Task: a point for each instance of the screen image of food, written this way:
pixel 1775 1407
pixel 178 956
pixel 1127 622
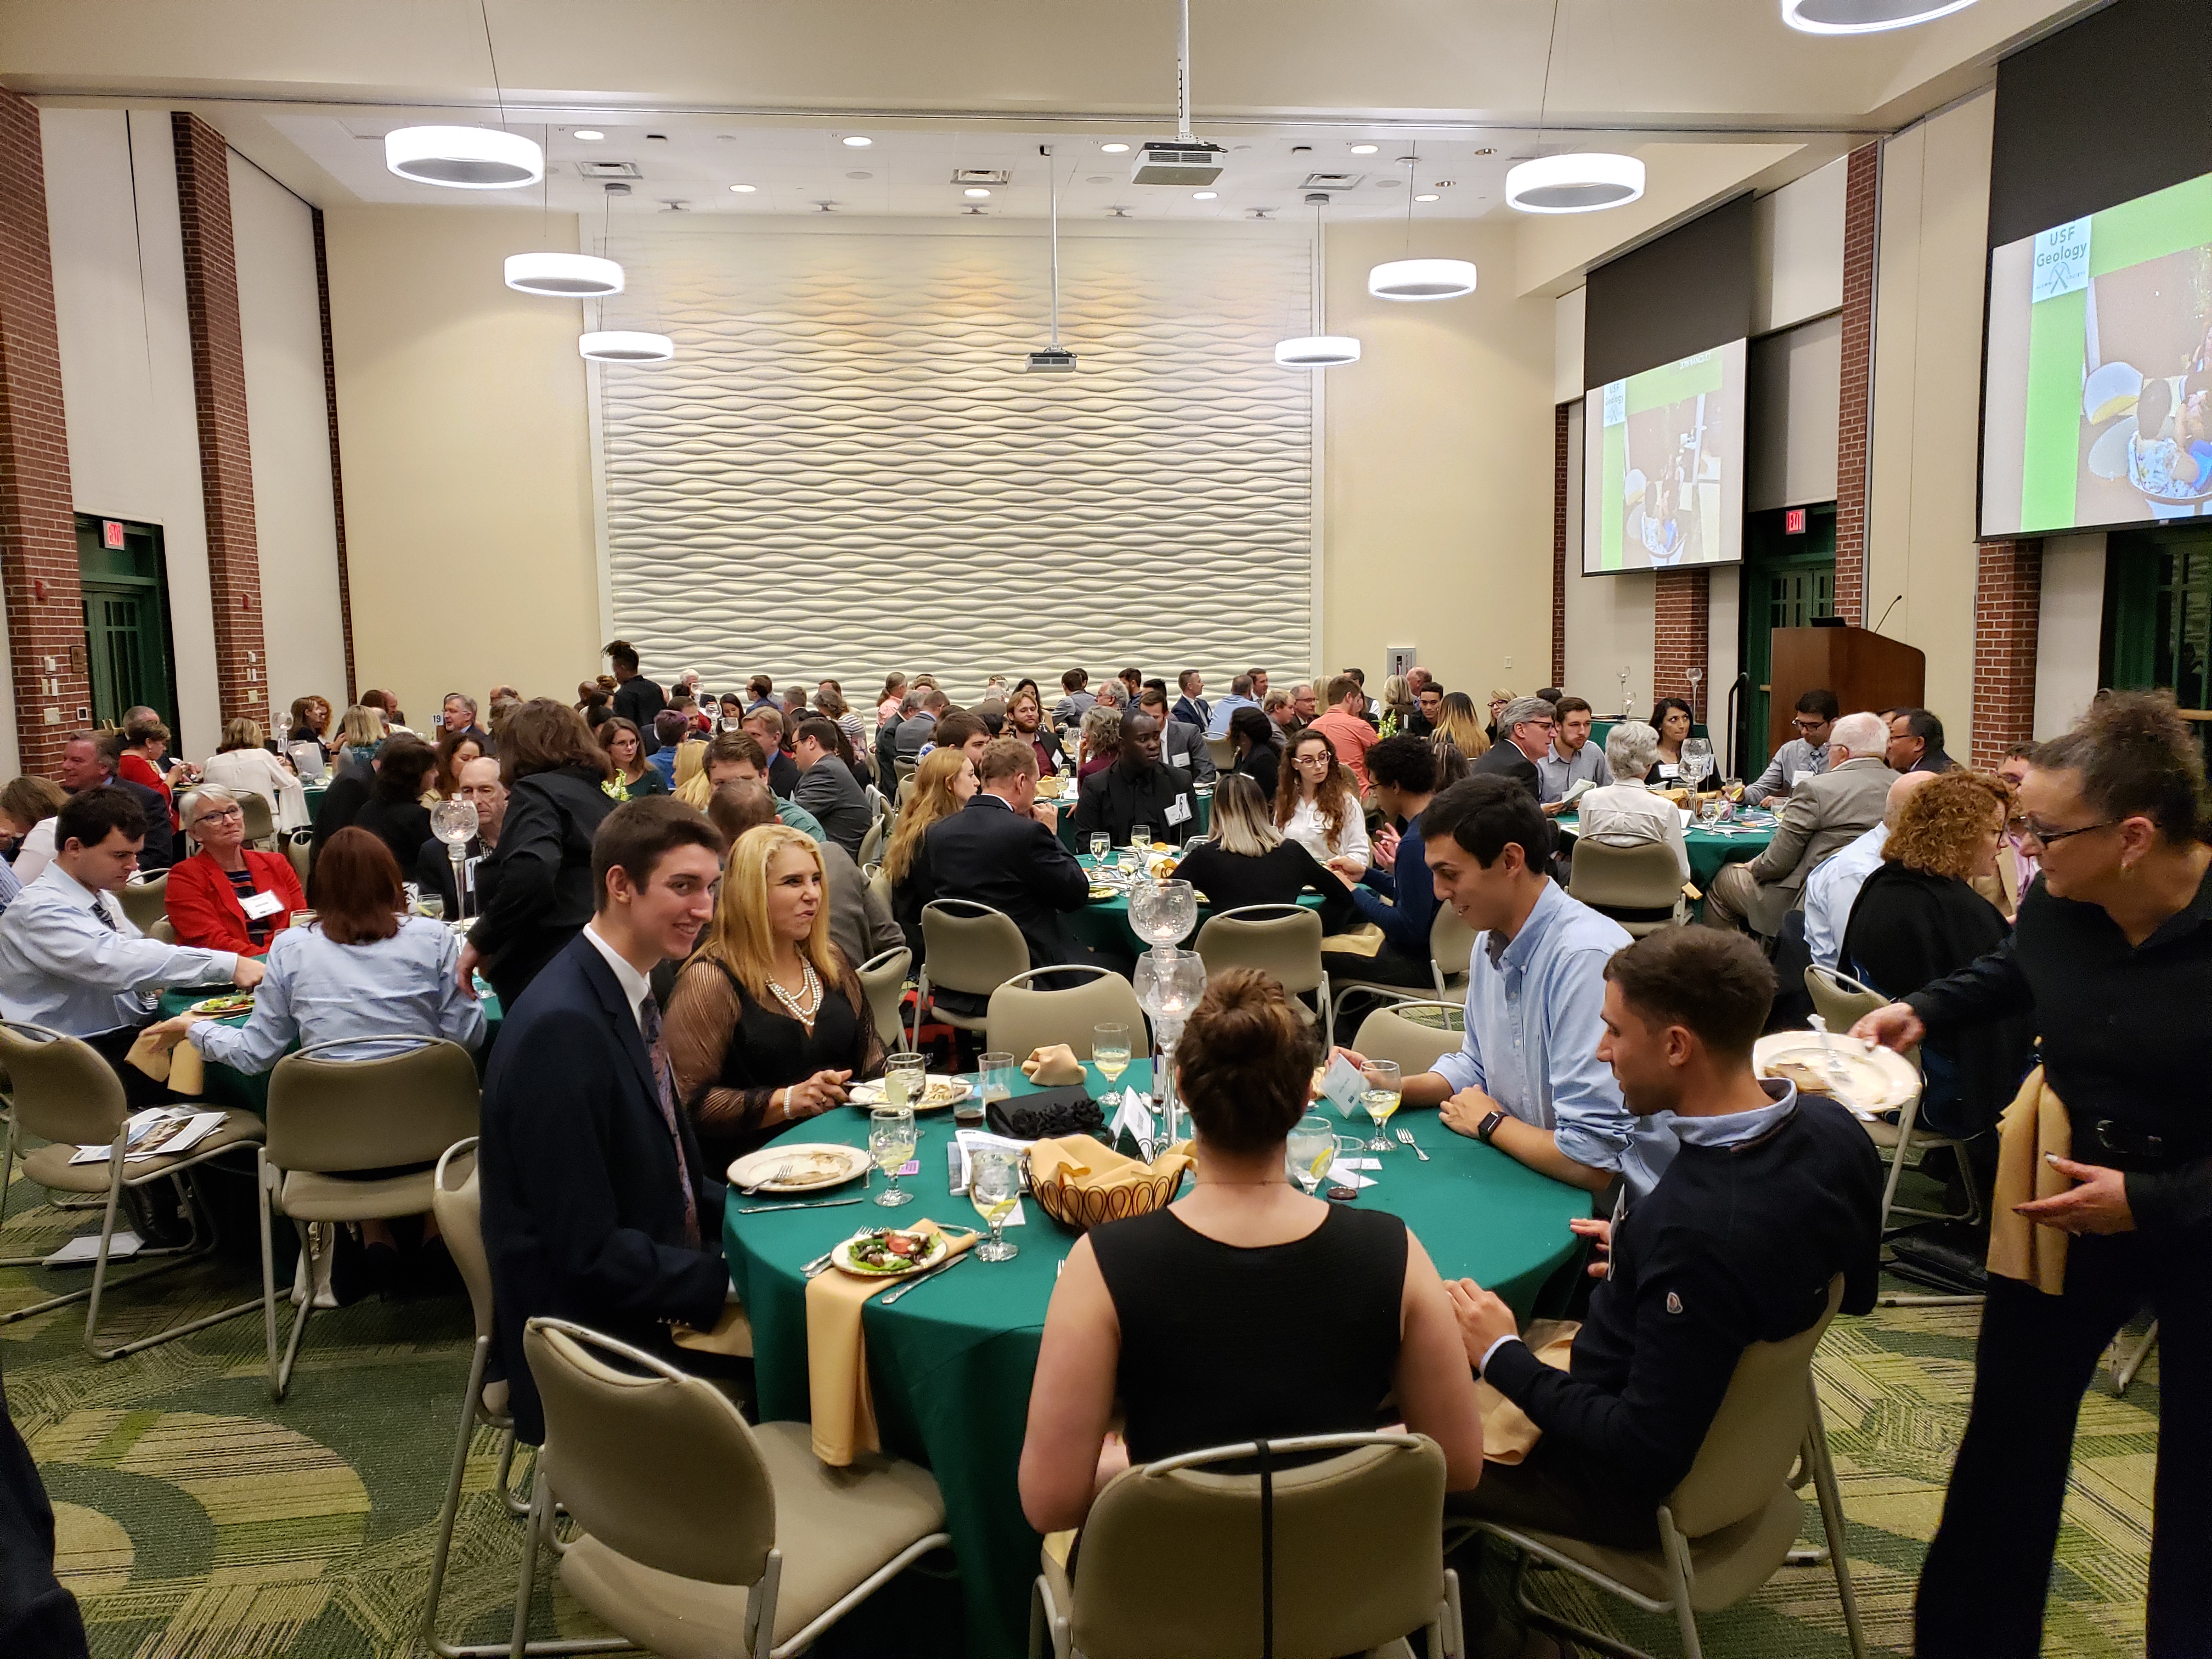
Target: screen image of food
pixel 1663 482
pixel 2097 408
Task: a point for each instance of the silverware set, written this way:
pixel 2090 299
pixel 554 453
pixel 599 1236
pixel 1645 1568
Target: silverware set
pixel 1406 1138
pixel 811 1204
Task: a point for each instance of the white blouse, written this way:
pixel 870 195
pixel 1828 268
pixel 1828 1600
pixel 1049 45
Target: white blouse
pixel 261 773
pixel 1309 828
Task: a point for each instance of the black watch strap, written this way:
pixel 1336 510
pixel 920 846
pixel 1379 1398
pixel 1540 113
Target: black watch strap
pixel 1488 1126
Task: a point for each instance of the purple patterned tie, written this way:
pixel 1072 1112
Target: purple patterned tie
pixel 648 1020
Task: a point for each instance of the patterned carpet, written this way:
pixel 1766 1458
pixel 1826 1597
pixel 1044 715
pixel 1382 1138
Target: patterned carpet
pixel 199 1520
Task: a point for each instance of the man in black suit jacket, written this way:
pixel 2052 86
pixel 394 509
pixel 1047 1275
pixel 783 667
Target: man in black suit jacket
pixel 1001 849
pixel 1525 729
pixel 596 1205
pixel 1137 789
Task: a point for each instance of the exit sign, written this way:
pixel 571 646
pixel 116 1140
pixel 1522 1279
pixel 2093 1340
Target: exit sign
pixel 111 533
pixel 1792 521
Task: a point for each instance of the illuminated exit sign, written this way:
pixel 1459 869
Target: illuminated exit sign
pixel 1792 521
pixel 111 533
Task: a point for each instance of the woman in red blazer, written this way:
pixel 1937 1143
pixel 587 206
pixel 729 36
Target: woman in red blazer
pixel 228 896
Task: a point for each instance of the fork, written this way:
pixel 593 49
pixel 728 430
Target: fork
pixel 820 1265
pixel 1406 1138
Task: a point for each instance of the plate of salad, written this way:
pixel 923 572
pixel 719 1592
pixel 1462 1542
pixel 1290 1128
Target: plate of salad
pixel 889 1253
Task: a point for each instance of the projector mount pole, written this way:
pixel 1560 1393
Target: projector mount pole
pixel 1052 174
pixel 1183 133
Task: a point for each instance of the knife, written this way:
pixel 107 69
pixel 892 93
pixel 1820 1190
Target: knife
pixel 920 1279
pixel 813 1204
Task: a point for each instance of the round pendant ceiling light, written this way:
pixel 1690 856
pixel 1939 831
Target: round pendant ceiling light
pixel 1864 17
pixel 1422 279
pixel 464 158
pixel 1583 182
pixel 619 345
pixel 563 276
pixel 1317 351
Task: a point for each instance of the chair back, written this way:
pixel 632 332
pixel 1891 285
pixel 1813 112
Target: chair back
pixel 260 817
pixel 1388 1033
pixel 882 978
pixel 1643 878
pixel 1224 752
pixel 145 901
pixel 970 947
pixel 1451 943
pixel 457 1206
pixel 301 849
pixel 871 844
pixel 64 1091
pixel 655 1464
pixel 1840 999
pixel 163 932
pixel 1282 939
pixel 1756 1436
pixel 1022 1018
pixel 329 1114
pixel 1358 1553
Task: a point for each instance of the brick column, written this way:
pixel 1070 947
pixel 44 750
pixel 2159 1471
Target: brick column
pixel 1560 484
pixel 2008 611
pixel 37 526
pixel 1854 422
pixel 1682 616
pixel 219 395
pixel 337 478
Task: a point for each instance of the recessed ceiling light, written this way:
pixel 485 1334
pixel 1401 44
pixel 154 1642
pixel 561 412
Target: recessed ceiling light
pixel 1098 178
pixel 1204 195
pixel 860 175
pixel 975 194
pixel 1115 149
pixel 1428 199
pixel 1365 149
pixel 858 140
pixel 745 190
pixel 589 135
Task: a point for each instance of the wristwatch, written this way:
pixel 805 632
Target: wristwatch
pixel 1488 1126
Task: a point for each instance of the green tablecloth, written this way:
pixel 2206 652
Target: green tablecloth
pixel 1103 924
pixel 315 792
pixel 950 1366
pixel 1710 848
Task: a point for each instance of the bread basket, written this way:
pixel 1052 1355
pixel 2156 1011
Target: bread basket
pixel 1086 1198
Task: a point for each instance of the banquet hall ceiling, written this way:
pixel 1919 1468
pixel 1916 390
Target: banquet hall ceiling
pixel 700 96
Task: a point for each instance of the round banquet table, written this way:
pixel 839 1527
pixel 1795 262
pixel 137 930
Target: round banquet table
pixel 1103 923
pixel 950 1365
pixel 1710 847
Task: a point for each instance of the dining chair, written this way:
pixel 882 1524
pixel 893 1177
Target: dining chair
pixel 1390 1033
pixel 1451 952
pixel 883 979
pixel 145 901
pixel 65 1094
pixel 458 1204
pixel 1640 887
pixel 1730 1524
pixel 260 818
pixel 966 947
pixel 1282 939
pixel 697 1534
pixel 1343 1554
pixel 330 1118
pixel 1023 1019
pixel 871 843
pixel 1223 752
pixel 300 849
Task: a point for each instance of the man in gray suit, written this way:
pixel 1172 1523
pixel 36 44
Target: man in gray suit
pixel 1825 813
pixel 1183 745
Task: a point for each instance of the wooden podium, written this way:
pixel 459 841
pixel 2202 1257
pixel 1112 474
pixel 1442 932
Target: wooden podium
pixel 1865 669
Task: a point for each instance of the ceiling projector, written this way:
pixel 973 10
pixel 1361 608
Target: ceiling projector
pixel 1052 359
pixel 1185 161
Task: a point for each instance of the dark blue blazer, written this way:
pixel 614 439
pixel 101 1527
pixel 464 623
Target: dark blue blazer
pixel 583 1216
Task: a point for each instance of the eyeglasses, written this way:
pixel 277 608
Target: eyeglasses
pixel 2049 838
pixel 1803 725
pixel 1313 760
pixel 216 815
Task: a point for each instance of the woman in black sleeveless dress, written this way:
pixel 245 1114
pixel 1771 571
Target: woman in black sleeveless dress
pixel 1246 1309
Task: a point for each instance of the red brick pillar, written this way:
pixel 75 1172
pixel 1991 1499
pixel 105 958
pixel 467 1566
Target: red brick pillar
pixel 219 389
pixel 1560 484
pixel 1861 198
pixel 38 524
pixel 1682 617
pixel 2007 612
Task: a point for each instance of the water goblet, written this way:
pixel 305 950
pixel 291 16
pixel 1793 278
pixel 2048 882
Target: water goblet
pixel 1109 1052
pixel 891 1140
pixel 1140 836
pixel 994 1188
pixel 1102 844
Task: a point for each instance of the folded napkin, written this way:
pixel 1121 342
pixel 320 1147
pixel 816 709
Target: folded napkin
pixel 1052 1066
pixel 732 1335
pixel 179 1067
pixel 1088 1164
pixel 844 1409
pixel 1508 1433
pixel 1364 940
pixel 2034 1124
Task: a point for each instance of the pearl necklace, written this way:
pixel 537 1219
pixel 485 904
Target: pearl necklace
pixel 803 1012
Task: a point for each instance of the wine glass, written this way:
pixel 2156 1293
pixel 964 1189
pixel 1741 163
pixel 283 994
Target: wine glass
pixel 1140 835
pixel 1697 766
pixel 994 1188
pixel 454 823
pixel 905 1076
pixel 1169 983
pixel 1100 845
pixel 1380 1097
pixel 1109 1052
pixel 1312 1148
pixel 891 1142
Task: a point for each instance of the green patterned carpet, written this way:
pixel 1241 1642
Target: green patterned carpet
pixel 199 1520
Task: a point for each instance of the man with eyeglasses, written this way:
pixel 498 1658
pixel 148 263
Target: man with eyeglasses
pixel 1526 726
pixel 1825 814
pixel 1805 755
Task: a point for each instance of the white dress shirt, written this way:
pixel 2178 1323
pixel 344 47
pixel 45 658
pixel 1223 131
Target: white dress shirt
pixel 1832 887
pixel 61 968
pixel 37 851
pixel 634 985
pixel 1310 830
pixel 259 772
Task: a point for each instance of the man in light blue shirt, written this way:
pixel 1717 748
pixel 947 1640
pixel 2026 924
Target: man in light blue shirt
pixel 1832 886
pixel 1572 758
pixel 1240 696
pixel 1805 755
pixel 1527 1079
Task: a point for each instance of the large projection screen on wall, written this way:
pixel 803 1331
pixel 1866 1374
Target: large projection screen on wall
pixel 1662 466
pixel 2097 407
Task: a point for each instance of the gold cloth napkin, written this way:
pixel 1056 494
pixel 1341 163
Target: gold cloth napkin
pixel 1053 1066
pixel 733 1334
pixel 1364 940
pixel 2034 1124
pixel 837 1355
pixel 1508 1433
pixel 179 1067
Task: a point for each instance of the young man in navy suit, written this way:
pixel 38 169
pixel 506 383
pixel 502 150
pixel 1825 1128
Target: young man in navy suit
pixel 597 1205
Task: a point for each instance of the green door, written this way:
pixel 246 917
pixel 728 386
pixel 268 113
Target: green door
pixel 2157 617
pixel 126 623
pixel 1788 581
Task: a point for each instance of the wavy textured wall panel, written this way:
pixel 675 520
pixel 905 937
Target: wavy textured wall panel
pixel 845 470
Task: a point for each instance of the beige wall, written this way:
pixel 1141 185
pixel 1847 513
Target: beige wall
pixel 1438 482
pixel 466 454
pixel 1927 399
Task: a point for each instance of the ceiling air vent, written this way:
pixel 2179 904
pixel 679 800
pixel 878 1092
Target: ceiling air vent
pixel 982 175
pixel 1182 162
pixel 1333 180
pixel 608 170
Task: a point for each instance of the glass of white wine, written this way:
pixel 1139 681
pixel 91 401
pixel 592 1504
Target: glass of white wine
pixel 905 1077
pixel 891 1142
pixel 1380 1097
pixel 1109 1052
pixel 995 1186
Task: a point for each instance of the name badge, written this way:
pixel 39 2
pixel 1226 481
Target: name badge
pixel 261 906
pixel 1182 760
pixel 1179 810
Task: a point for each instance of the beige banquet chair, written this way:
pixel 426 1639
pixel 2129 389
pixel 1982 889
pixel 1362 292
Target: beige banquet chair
pixel 1282 939
pixel 145 901
pixel 65 1094
pixel 699 1535
pixel 330 1117
pixel 1356 1563
pixel 1733 1518
pixel 1023 1019
pixel 1223 750
pixel 965 947
pixel 299 849
pixel 883 980
pixel 871 843
pixel 1640 887
pixel 1390 1033
pixel 260 818
pixel 1451 949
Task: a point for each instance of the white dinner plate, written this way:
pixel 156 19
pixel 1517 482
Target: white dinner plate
pixel 798 1167
pixel 841 1259
pixel 1872 1081
pixel 938 1093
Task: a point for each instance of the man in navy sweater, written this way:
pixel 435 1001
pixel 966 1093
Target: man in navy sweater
pixel 1770 1196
